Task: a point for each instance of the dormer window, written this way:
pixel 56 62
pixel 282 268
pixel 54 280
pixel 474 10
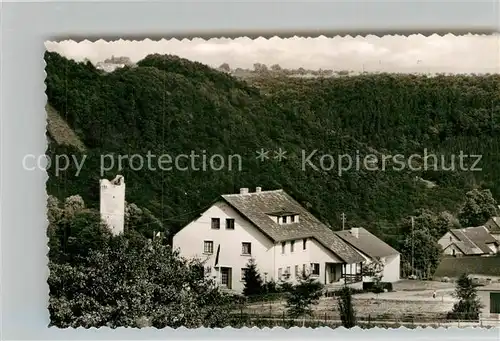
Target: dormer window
pixel 289 219
pixel 284 217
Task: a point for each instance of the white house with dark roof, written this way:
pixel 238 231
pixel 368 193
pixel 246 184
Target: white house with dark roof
pixel 374 250
pixel 275 230
pixel 471 241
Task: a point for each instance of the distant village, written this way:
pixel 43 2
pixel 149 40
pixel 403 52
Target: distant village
pixel 259 69
pixel 113 63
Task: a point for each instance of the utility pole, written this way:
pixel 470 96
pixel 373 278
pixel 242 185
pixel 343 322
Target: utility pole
pixel 412 246
pixel 343 220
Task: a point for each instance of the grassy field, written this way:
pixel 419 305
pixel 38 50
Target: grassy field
pixel 376 309
pixel 410 300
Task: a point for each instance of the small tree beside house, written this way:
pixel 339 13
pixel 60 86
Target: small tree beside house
pixel 375 270
pixel 469 306
pixel 346 308
pixel 303 296
pixel 253 284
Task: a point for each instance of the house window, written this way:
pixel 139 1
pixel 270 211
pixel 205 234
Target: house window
pixel 208 247
pixel 283 244
pixel 287 271
pixel 216 223
pixel 208 270
pixel 292 245
pixel 359 268
pixel 246 248
pixel 303 268
pixel 296 270
pixel 304 243
pixel 243 272
pixel 451 239
pixel 315 269
pixel 453 251
pixel 284 219
pixel 292 218
pixel 280 273
pixel 230 224
pixel 225 277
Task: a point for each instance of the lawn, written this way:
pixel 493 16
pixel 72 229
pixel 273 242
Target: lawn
pixel 411 299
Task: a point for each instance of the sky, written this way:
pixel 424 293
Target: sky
pixel 415 53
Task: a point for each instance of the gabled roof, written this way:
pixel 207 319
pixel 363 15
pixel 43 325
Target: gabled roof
pixel 367 243
pixel 474 239
pixel 493 225
pixel 257 206
pixel 465 249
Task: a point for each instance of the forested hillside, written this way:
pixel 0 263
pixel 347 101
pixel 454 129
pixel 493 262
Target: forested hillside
pixel 170 105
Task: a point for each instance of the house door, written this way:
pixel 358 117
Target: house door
pixel 226 277
pixel 332 273
pixel 494 302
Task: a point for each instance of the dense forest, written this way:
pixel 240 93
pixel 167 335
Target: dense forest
pixel 166 104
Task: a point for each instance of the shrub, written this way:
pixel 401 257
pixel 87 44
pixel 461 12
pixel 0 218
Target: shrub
pixel 468 306
pixel 252 280
pixel 372 287
pixel 346 309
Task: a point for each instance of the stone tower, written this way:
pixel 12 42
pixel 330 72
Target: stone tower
pixel 112 202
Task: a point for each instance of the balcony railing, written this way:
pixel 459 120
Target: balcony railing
pixel 352 278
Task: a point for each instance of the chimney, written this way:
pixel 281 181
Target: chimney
pixel 355 232
pixel 243 190
pixel 258 189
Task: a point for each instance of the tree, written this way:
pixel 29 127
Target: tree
pixel 375 270
pixel 445 222
pixel 131 284
pixel 270 287
pixel 421 250
pixel 260 68
pixel 225 67
pixel 252 280
pixel 469 306
pixel 74 231
pixel 479 206
pixel 142 220
pixel 346 309
pixel 276 67
pixel 436 224
pixel 303 295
